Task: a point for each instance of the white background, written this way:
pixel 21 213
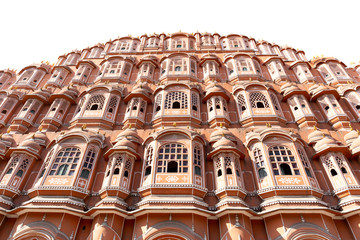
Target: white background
pixel 39 30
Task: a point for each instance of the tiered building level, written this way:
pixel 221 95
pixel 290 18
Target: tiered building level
pixel 181 137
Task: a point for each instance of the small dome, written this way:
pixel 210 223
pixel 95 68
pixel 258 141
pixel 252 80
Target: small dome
pixel 316 88
pixel 351 136
pixel 355 145
pixel 214 89
pixel 326 142
pixel 224 142
pixel 6 137
pixel 219 133
pixel 315 136
pixel 39 138
pixel 288 87
pixel 31 145
pixel 70 92
pixel 141 88
pixel 44 93
pixel 129 134
pixel 125 143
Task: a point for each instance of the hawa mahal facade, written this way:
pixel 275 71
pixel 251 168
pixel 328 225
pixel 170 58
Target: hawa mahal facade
pixel 181 137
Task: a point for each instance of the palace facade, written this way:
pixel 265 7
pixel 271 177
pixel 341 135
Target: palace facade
pixel 181 137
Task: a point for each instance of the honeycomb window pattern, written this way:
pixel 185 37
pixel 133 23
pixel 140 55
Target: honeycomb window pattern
pixel 170 153
pixel 283 162
pixel 176 100
pixel 66 162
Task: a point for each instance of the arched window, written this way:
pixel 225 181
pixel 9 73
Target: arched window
pixel 305 163
pixel 85 173
pixel 22 168
pixel 66 162
pixel 276 104
pixel 326 74
pixel 96 102
pixel 118 163
pixel 210 105
pixel 258 100
pixel 218 167
pixel 228 165
pixel 112 104
pixel 176 105
pixel 171 156
pixel 62 170
pixel 46 164
pixel 337 70
pixel 176 100
pixel 158 103
pixel 260 163
pixel 283 161
pixel 12 165
pixel 194 102
pixel 88 164
pixel 80 105
pixel 262 173
pixel 217 103
pixel 241 103
pixel 19 173
pixel 341 164
pixel 147 171
pixel 244 65
pixel 197 170
pixel 285 169
pixel 127 168
pixel 148 160
pixel 197 160
pixel 172 167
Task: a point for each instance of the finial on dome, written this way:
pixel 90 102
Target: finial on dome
pixel 351 128
pixel 130 125
pixel 315 128
pixel 83 127
pixel 9 130
pixel 268 125
pixel 40 128
pixel 174 124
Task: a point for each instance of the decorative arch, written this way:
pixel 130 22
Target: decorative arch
pixel 43 229
pixel 306 231
pixel 173 230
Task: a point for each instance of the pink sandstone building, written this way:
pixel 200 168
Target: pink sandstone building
pixel 181 137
